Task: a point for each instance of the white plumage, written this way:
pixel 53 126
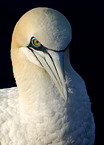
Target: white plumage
pixel 50 104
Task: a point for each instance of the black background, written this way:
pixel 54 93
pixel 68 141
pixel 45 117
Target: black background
pixel 86 47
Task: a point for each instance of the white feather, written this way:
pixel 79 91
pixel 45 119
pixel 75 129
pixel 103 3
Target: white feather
pixel 52 121
pixel 34 113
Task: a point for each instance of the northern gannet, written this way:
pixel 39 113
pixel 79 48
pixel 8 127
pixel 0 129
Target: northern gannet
pixel 50 104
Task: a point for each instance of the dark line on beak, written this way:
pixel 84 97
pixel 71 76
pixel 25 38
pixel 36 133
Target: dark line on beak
pixel 44 49
pixel 36 57
pixel 50 69
pixel 55 67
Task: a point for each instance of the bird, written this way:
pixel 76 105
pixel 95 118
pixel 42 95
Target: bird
pixel 50 103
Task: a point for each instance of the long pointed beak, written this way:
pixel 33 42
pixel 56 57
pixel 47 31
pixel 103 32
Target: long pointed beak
pixel 53 63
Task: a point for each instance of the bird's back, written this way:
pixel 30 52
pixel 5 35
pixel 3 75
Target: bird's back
pixel 81 122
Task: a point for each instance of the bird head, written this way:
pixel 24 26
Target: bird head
pixel 42 35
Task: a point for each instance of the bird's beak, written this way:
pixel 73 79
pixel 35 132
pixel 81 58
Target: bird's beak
pixel 53 63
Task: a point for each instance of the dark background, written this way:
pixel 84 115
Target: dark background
pixel 86 47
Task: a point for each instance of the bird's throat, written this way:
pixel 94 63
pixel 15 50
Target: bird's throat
pixel 34 85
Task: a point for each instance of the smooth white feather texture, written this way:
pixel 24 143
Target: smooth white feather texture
pixel 36 114
pixel 52 121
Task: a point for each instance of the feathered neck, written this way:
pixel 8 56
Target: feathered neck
pixel 34 83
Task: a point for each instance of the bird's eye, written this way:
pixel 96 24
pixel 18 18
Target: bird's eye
pixel 35 42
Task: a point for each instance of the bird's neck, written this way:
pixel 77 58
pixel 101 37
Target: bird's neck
pixel 34 87
pixel 34 84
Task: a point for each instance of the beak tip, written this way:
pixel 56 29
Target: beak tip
pixel 65 94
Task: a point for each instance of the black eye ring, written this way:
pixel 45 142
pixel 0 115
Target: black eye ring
pixel 39 47
pixel 35 42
